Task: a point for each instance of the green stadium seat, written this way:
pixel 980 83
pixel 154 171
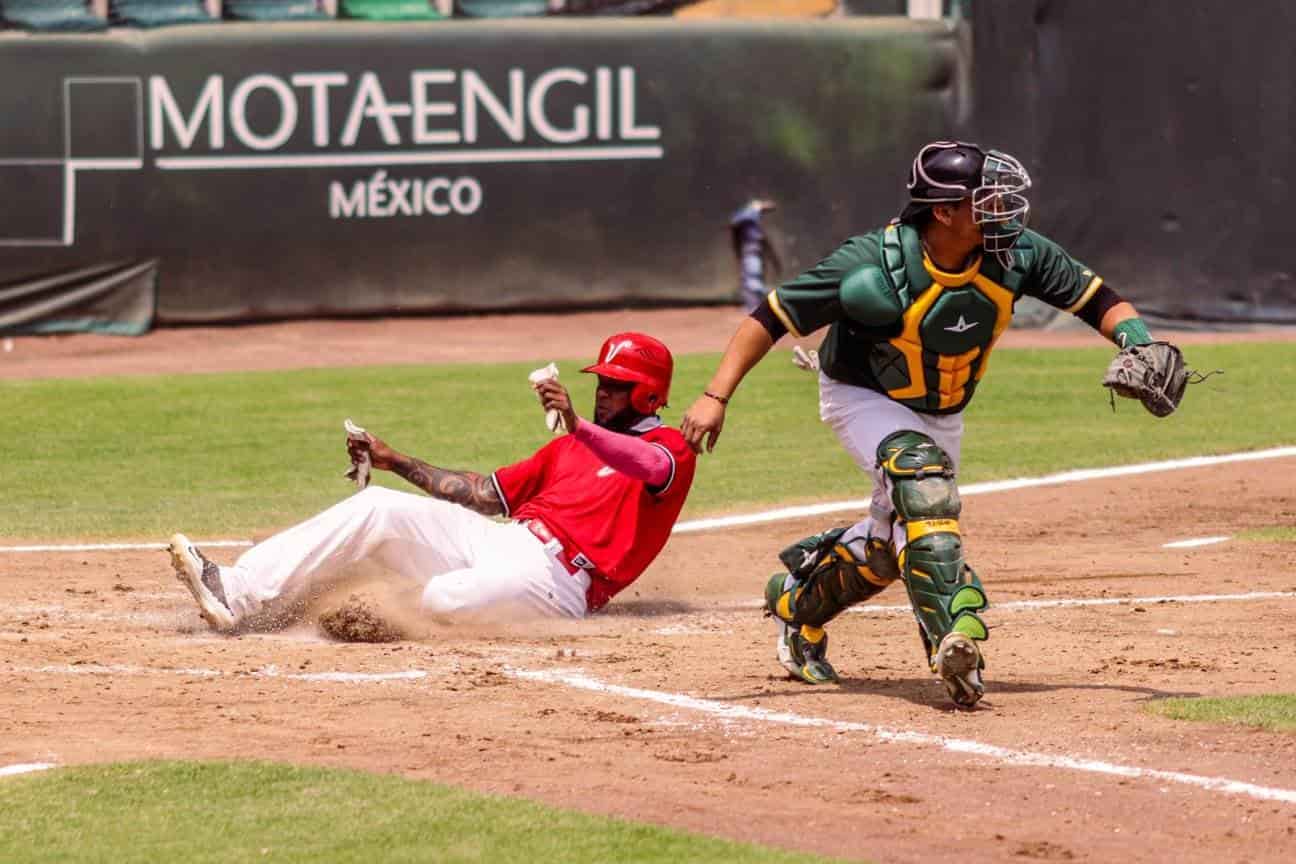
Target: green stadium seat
pixel 156 13
pixel 273 10
pixel 388 10
pixel 50 15
pixel 501 8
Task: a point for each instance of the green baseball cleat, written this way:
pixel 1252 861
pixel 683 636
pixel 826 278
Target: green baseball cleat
pixel 803 650
pixel 803 658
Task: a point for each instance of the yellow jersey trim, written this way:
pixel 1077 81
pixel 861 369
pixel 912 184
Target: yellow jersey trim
pixel 782 315
pixel 1092 289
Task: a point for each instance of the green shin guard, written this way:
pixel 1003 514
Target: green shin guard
pixel 945 593
pixel 942 606
pixel 803 651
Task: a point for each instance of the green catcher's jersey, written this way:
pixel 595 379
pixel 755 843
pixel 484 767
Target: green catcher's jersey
pixel 901 326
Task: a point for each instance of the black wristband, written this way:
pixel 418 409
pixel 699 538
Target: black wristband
pixel 723 400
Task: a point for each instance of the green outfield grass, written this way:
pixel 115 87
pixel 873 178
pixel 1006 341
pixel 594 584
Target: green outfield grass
pixel 234 454
pixel 1275 712
pixel 253 811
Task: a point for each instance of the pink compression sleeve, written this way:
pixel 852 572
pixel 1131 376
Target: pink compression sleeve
pixel 632 456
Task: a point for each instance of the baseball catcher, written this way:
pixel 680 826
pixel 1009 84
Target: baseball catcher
pixel 582 517
pixel 913 312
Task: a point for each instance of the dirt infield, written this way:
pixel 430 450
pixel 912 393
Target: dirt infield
pixel 671 708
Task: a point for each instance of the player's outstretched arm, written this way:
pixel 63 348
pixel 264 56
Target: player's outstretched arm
pixel 1114 317
pixel 1122 325
pixel 705 418
pixel 465 488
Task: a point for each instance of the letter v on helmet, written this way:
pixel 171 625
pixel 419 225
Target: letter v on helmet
pixel 614 349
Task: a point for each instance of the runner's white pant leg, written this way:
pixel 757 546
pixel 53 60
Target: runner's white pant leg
pixel 861 418
pixel 515 575
pixel 413 535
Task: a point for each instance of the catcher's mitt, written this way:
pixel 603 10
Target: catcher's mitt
pixel 1154 374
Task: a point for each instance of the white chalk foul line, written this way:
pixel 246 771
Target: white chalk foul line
pixel 121 547
pixel 10 770
pixel 1196 541
pixel 1093 601
pixel 63 613
pixel 1025 758
pixel 266 672
pixel 1013 605
pixel 786 513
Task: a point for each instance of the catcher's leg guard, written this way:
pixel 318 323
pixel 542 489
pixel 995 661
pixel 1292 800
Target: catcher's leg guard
pixel 825 575
pixel 945 593
pixel 829 575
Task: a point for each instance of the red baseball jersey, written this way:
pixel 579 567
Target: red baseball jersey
pixel 616 522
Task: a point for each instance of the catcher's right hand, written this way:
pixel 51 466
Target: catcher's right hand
pixel 1153 373
pixel 803 359
pixel 703 422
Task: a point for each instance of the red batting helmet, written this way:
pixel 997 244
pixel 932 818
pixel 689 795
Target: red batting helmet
pixel 641 359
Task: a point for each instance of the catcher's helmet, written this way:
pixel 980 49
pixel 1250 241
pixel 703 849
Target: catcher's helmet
pixel 949 171
pixel 639 358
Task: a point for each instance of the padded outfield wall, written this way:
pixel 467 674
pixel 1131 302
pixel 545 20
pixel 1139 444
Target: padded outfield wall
pixel 1162 138
pixel 265 171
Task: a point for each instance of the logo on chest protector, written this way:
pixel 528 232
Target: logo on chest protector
pixel 961 326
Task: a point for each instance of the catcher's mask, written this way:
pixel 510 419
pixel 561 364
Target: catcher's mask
pixel 949 171
pixel 641 359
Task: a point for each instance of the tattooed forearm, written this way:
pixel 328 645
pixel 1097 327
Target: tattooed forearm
pixel 466 488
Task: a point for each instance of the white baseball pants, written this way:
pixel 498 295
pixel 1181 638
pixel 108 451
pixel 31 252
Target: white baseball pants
pixel 466 563
pixel 861 418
